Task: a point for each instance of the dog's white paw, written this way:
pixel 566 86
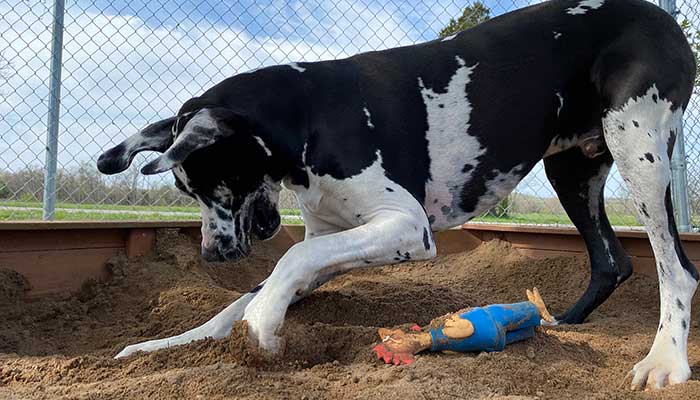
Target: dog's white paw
pixel 151 345
pixel 262 328
pixel 660 368
pixel 265 341
pixel 128 350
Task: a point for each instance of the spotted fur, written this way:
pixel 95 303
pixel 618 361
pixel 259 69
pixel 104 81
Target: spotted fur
pixel 384 147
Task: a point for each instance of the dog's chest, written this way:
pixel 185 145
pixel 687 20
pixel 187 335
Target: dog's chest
pixel 350 202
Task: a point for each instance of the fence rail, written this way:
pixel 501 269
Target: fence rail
pixel 79 77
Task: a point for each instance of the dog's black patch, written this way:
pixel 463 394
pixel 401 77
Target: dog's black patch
pixel 256 289
pixel 680 304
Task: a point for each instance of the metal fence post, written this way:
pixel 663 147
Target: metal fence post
pixel 679 179
pixel 54 111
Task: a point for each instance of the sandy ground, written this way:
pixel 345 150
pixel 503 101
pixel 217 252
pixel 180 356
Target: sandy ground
pixel 62 348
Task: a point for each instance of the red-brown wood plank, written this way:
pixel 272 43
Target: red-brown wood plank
pixel 44 240
pixel 57 271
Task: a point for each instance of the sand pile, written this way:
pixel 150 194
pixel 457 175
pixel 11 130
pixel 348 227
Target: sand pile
pixel 61 348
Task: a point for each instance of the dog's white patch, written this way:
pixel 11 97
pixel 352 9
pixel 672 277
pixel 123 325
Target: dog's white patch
pixel 561 103
pixel 182 176
pixel 369 118
pixel 606 244
pixel 557 35
pixel 450 147
pixel 303 153
pixel 585 6
pixel 345 203
pixel 595 186
pixel 213 224
pixel 138 141
pixel 262 144
pixel 452 36
pixel 498 188
pixel 637 135
pixel 202 119
pixel 296 67
pixel 251 71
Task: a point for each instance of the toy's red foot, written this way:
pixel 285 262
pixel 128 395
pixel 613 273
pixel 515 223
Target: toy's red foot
pixel 398 347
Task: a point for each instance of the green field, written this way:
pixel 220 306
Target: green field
pixel 23 215
pixel 36 204
pixel 15 215
pixel 79 212
pixel 194 210
pixel 17 210
pixel 552 219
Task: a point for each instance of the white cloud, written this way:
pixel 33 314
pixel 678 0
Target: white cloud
pixel 121 72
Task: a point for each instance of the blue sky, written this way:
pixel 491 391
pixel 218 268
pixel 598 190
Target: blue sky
pixel 130 62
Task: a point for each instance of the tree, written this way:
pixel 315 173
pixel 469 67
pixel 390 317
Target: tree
pixel 693 36
pixel 471 16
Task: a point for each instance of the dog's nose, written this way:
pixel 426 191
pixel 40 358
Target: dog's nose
pixel 212 254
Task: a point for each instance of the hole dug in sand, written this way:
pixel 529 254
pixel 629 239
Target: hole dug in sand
pixel 62 348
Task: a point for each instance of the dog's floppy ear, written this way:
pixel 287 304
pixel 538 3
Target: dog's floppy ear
pixel 157 136
pixel 202 129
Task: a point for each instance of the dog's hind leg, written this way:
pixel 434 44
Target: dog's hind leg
pixel 640 133
pixel 579 182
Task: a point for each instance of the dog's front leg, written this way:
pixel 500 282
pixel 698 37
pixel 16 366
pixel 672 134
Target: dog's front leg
pixel 388 237
pixel 218 327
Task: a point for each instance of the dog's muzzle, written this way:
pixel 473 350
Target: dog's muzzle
pixel 216 253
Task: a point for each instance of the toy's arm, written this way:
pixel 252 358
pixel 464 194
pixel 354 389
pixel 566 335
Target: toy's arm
pixel 399 347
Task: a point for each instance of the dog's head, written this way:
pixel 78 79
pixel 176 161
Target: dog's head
pixel 216 158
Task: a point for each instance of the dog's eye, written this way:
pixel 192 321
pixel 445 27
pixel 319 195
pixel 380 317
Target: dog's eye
pixel 180 122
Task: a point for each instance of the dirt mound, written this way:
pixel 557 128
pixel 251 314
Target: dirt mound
pixel 61 348
pixel 13 285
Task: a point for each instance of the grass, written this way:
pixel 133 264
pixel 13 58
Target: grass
pixel 18 215
pixel 117 207
pixel 72 212
pixel 67 215
pixel 552 219
pixel 15 215
pixel 36 204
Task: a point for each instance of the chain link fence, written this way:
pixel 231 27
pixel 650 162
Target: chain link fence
pixel 127 63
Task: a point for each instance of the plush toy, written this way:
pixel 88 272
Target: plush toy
pixel 487 328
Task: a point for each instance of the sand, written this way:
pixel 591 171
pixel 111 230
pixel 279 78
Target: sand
pixel 62 348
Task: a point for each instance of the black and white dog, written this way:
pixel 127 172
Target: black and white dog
pixel 385 147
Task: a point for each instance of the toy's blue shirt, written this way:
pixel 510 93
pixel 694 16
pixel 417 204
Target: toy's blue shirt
pixel 495 326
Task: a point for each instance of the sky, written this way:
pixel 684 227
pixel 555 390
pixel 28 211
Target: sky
pixel 128 63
